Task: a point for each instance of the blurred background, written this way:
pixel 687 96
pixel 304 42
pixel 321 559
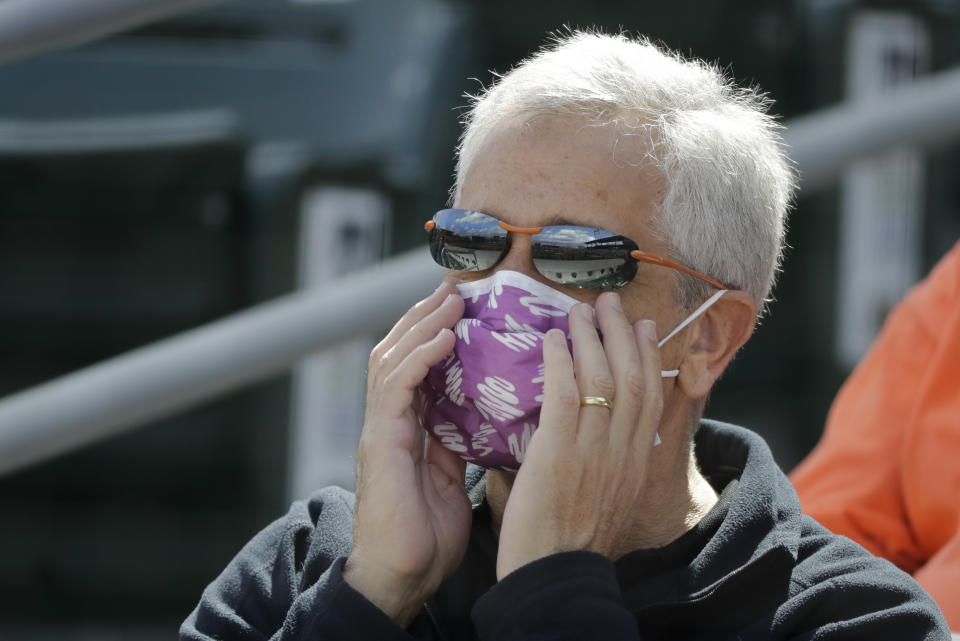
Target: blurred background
pixel 161 178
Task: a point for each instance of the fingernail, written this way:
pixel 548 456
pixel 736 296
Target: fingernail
pixel 649 329
pixel 615 301
pixel 585 311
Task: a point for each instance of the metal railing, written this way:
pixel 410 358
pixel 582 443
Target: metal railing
pixel 29 27
pixel 201 364
pixel 925 114
pixel 118 133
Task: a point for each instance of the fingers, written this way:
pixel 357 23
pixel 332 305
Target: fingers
pixel 651 403
pixel 447 461
pixel 414 316
pixel 592 372
pixel 433 317
pixel 561 397
pixel 398 386
pixel 444 316
pixel 626 366
pixel 416 313
pixel 390 419
pixel 419 340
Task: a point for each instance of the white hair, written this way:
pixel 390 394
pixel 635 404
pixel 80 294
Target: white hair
pixel 729 182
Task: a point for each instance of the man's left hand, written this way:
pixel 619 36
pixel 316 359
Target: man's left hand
pixel 585 468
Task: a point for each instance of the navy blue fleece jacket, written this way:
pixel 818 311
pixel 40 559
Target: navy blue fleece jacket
pixel 755 568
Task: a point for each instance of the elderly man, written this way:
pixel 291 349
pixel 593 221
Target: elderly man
pixel 617 224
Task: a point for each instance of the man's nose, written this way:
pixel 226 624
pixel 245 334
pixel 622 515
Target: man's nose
pixel 519 257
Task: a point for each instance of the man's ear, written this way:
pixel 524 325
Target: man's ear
pixel 714 339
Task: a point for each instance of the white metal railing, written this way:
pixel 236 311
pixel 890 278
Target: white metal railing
pixel 118 133
pixel 29 27
pixel 183 371
pixel 925 114
pixel 198 365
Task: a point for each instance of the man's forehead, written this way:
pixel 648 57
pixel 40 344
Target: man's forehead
pixel 543 218
pixel 563 171
pixel 581 149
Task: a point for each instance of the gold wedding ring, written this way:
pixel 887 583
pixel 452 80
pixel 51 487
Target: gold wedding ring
pixel 601 401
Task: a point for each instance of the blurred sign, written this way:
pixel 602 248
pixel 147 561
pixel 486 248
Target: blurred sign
pixel 342 231
pixel 882 196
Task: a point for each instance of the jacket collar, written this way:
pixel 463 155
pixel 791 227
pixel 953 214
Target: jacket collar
pixel 765 514
pixel 759 534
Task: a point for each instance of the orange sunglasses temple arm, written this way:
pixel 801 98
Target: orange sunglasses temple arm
pixel 658 260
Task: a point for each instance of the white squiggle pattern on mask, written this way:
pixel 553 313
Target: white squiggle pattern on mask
pixel 462 328
pixel 497 400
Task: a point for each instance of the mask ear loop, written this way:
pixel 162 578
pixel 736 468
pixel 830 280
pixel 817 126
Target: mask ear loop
pixel 671 373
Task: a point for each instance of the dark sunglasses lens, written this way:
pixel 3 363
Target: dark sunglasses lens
pixel 466 240
pixel 583 257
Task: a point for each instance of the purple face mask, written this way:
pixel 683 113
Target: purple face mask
pixel 483 401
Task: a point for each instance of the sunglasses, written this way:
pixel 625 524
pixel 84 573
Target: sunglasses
pixel 581 257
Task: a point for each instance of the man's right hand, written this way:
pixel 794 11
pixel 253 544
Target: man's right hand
pixel 412 516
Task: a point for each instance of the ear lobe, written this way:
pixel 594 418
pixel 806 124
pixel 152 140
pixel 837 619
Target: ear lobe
pixel 714 340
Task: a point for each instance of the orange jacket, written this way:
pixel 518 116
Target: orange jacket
pixel 887 471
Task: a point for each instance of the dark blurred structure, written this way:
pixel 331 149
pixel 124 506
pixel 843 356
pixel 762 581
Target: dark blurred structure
pixel 150 183
pixel 155 180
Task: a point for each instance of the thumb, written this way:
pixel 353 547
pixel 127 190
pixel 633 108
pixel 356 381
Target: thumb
pixel 448 462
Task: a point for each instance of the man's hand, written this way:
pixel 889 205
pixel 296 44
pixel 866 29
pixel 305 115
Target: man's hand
pixel 412 518
pixel 585 467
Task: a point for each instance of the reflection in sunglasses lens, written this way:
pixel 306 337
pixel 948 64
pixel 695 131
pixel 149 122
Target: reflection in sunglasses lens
pixel 467 240
pixel 583 257
pixel 579 257
pixel 585 274
pixel 465 252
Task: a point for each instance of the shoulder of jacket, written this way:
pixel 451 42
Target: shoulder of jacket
pixel 832 559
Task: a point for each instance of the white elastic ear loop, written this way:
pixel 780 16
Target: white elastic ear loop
pixel 670 373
